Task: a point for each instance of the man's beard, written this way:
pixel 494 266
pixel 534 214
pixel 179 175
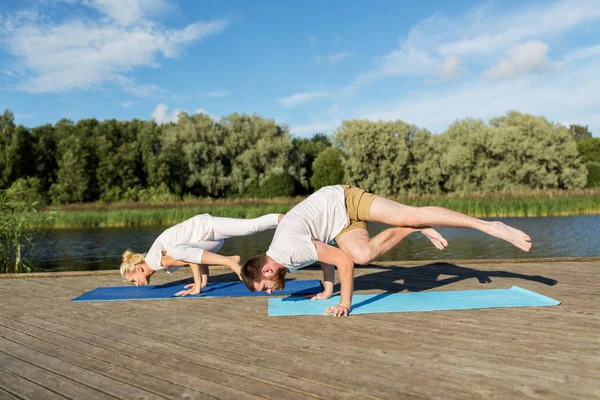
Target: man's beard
pixel 280 278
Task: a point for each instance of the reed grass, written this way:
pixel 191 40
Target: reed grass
pixel 481 205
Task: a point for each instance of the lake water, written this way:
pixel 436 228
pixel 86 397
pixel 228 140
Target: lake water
pixel 101 248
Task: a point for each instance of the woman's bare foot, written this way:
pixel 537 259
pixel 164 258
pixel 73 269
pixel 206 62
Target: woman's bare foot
pixel 434 236
pixel 235 267
pixel 517 238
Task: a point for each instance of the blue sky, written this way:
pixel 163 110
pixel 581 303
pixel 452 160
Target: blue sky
pixel 307 64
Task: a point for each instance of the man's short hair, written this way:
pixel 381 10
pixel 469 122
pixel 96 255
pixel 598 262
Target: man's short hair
pixel 252 271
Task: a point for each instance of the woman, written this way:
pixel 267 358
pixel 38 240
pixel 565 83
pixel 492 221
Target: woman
pixel 193 242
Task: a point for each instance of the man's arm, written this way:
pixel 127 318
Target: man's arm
pixel 328 278
pixel 332 255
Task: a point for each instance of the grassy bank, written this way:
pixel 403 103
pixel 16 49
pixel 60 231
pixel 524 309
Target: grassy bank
pixel 490 205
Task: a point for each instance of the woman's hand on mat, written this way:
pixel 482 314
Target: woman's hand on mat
pixel 193 290
pixel 320 296
pixel 338 311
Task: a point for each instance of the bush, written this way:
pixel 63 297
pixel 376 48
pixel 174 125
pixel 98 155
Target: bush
pixel 275 185
pixel 160 194
pixel 16 237
pixel 27 190
pixel 593 174
pixel 327 169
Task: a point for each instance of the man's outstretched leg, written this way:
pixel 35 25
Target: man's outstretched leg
pixel 363 249
pixel 392 213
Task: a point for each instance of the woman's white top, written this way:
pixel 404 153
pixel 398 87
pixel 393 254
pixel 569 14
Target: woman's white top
pixel 195 229
pixel 320 217
pixel 188 240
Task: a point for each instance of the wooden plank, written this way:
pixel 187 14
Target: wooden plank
pixel 97 383
pixel 170 354
pixel 7 395
pixel 50 380
pixel 156 383
pixel 24 388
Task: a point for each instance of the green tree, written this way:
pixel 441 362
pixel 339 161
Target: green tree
pixel 120 165
pixel 535 153
pixel 150 146
pixel 589 150
pixel 73 176
pixel 426 174
pixel 260 149
pixel 16 151
pixel 29 190
pixel 580 132
pixel 378 155
pixel 44 150
pixel 593 174
pixel 275 185
pixel 310 149
pixel 327 169
pixel 466 157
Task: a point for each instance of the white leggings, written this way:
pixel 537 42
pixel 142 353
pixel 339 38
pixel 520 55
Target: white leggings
pixel 223 228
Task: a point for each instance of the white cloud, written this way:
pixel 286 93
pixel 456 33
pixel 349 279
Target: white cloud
pixel 127 12
pixel 451 68
pixel 583 53
pixel 478 35
pixel 572 96
pixel 299 98
pixel 530 57
pixel 489 32
pixel 335 58
pixel 128 104
pixel 407 60
pixel 162 116
pixel 220 93
pixel 87 54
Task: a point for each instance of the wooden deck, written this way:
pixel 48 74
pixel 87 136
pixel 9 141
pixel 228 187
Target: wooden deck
pixel 228 348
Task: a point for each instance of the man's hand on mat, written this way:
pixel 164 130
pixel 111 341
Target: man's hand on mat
pixel 319 296
pixel 338 311
pixel 193 290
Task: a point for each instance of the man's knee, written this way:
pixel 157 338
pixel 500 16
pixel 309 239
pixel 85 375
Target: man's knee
pixel 360 254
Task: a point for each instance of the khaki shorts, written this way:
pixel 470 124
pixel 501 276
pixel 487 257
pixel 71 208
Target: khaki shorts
pixel 358 205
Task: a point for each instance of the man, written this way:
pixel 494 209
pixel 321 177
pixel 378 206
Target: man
pixel 341 213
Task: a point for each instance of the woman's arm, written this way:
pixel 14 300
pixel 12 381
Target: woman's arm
pixel 194 287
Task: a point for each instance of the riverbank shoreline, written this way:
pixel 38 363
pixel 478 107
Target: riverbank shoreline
pixel 551 203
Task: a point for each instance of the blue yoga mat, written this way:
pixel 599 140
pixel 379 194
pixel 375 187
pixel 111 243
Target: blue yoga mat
pixel 222 289
pixel 412 302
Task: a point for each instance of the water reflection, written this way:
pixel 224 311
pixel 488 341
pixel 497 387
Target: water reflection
pixel 101 248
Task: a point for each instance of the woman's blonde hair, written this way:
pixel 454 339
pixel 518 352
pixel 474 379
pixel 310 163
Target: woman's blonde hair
pixel 130 260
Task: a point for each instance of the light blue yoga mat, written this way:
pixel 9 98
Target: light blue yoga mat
pixel 412 302
pixel 167 291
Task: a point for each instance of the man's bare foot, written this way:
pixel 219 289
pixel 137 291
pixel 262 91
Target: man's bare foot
pixel 435 238
pixel 517 238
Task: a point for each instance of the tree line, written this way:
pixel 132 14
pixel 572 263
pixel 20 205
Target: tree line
pixel 249 156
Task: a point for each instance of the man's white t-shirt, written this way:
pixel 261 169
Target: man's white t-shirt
pixel 320 217
pixel 195 229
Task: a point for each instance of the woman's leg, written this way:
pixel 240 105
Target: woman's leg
pixel 224 228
